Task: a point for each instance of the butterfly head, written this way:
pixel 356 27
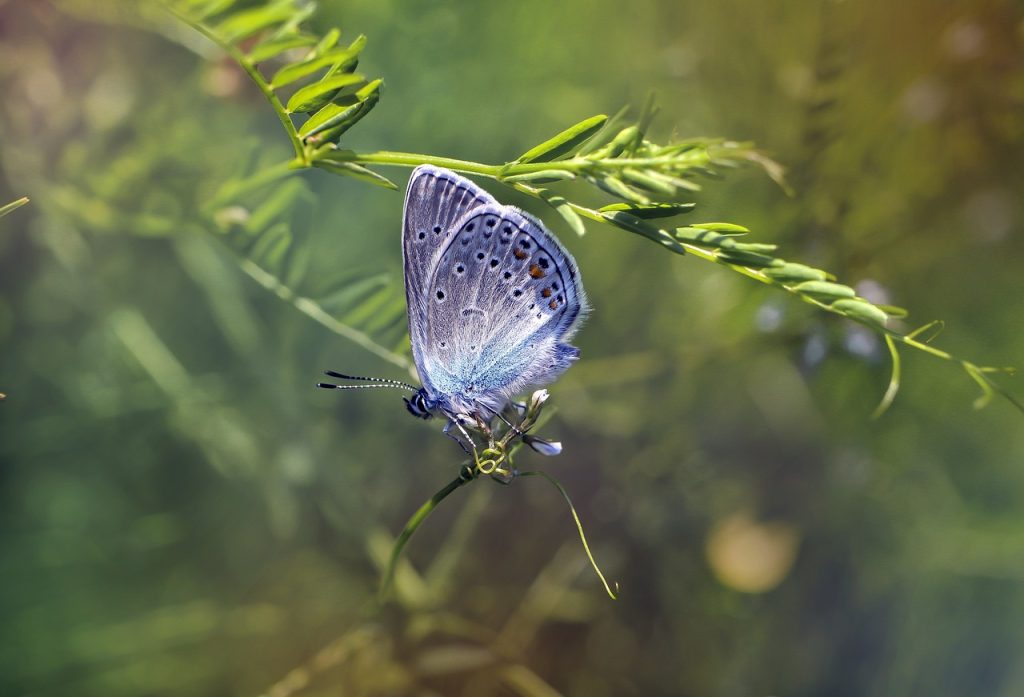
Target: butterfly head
pixel 420 404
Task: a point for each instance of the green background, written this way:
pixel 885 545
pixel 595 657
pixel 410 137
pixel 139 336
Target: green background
pixel 181 513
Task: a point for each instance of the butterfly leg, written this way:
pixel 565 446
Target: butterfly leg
pixel 447 431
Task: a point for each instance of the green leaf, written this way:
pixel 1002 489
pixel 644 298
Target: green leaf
pixel 651 210
pixel 643 180
pixel 565 142
pixel 749 259
pixel 246 23
pixel 605 135
pixel 723 228
pixel 275 47
pixel 351 169
pixel 13 206
pixel 212 9
pixel 545 177
pixel 861 310
pixel 335 119
pixel 296 71
pixel 824 290
pixel 791 272
pixel 619 188
pixel 314 95
pixel 564 209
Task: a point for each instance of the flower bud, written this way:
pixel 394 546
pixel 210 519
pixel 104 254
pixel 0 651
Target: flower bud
pixel 544 447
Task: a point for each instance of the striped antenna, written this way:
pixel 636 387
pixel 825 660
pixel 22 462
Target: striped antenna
pixel 375 382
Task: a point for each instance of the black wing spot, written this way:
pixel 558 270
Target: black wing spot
pixel 517 292
pixel 460 268
pixel 532 305
pixel 422 235
pixel 494 263
pixel 440 295
pixel 561 299
pixel 491 222
pixel 524 243
pixel 480 256
pixel 437 229
pixel 507 229
pixel 555 286
pixel 539 315
pixel 471 227
pixel 507 275
pixel 544 263
pixel 443 344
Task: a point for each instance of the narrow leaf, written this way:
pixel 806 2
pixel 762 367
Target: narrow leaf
pixel 565 142
pixel 245 23
pixel 825 290
pixel 316 94
pixel 894 380
pixel 723 228
pixel 748 259
pixel 351 169
pixel 564 209
pixel 862 310
pixel 791 272
pixel 644 181
pixel 545 177
pixel 651 210
pixel 296 71
pixel 275 47
pixel 605 135
pixel 617 187
pixel 334 119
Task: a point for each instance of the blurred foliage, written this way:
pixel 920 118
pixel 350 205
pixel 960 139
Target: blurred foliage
pixel 183 514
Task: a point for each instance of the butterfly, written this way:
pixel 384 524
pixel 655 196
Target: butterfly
pixel 493 300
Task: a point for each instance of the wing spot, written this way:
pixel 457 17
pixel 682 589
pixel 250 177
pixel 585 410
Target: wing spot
pixel 539 315
pixel 507 275
pixel 440 294
pixel 553 304
pixel 491 222
pixel 494 263
pixel 422 235
pixel 507 229
pixel 555 286
pixel 544 263
pixel 479 256
pixel 517 292
pixel 546 292
pixel 437 229
pixel 460 268
pixel 524 243
pixel 536 271
pixel 443 344
pixel 471 227
pixel 519 254
pixel 532 306
pixel 561 299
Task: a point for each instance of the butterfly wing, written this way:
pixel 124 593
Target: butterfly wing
pixel 502 301
pixel 435 201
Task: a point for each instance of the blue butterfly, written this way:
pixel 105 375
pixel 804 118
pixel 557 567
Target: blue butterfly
pixel 493 299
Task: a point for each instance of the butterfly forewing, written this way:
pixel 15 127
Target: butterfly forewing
pixel 435 201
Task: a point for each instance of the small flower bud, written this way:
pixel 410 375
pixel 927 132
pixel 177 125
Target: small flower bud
pixel 538 399
pixel 544 447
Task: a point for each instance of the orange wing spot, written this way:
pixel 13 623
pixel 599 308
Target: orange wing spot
pixel 519 254
pixel 536 271
pixel 553 304
pixel 546 292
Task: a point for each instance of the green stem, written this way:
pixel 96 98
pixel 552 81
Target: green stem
pixel 253 74
pixel 414 523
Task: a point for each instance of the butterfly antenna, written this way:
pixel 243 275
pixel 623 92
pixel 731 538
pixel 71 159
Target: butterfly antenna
pixel 332 386
pixel 509 424
pixel 379 381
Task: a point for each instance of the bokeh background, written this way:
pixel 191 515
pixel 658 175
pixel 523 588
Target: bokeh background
pixel 181 513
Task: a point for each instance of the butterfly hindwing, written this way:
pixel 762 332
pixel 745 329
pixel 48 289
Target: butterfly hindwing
pixel 435 201
pixel 502 299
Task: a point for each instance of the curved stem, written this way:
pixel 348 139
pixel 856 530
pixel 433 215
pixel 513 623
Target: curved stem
pixel 253 74
pixel 413 524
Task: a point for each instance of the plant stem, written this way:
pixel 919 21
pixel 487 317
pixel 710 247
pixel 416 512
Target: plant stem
pixel 413 524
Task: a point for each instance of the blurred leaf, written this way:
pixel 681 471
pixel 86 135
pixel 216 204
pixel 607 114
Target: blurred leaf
pixel 13 206
pixel 311 96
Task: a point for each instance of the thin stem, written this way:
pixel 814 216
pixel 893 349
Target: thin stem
pixel 253 74
pixel 414 523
